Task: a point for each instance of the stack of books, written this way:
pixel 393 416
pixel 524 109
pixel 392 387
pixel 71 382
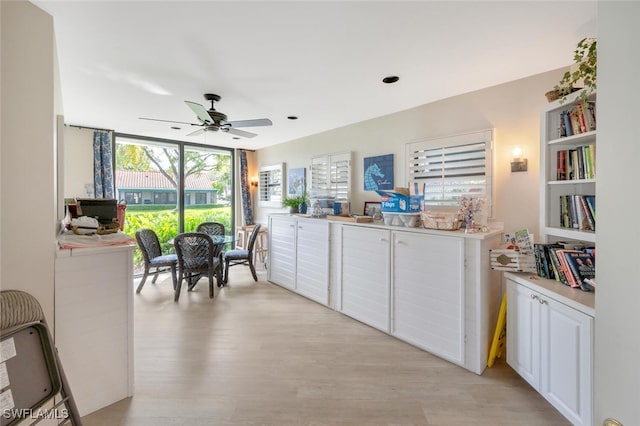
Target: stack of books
pixel 571 264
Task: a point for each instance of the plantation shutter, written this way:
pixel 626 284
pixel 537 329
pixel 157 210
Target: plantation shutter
pixel 452 167
pixel 331 176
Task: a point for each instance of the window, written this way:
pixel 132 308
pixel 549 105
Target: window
pixel 271 181
pixel 452 167
pixel 331 176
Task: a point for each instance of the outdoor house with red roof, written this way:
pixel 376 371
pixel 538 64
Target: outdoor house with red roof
pixel 155 188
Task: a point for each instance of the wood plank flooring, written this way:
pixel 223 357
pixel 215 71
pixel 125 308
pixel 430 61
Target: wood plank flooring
pixel 258 354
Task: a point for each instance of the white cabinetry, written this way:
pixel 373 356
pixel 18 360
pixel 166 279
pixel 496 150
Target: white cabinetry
pixel 299 255
pixel 282 251
pixel 364 291
pixel 551 187
pixel 428 293
pixel 550 344
pixel 94 323
pixel 432 289
pixel 312 259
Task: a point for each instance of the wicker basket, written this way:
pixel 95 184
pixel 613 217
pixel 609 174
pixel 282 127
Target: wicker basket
pixel 441 220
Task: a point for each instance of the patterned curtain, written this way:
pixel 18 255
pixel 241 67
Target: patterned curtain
pixel 102 164
pixel 247 210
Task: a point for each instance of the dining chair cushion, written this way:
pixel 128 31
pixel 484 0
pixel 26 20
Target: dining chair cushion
pixel 164 259
pixel 236 254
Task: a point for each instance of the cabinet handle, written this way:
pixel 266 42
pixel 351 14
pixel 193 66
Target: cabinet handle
pixel 400 242
pixel 383 240
pixel 540 301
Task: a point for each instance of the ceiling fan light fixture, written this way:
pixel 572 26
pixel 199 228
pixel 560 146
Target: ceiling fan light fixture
pixel 390 79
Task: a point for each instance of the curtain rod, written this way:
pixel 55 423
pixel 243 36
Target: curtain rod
pixel 88 128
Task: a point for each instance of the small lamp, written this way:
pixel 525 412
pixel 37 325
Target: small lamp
pixel 518 164
pixel 254 181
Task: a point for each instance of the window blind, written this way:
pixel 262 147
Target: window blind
pixel 452 167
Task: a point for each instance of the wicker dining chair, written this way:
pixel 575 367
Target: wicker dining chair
pixel 241 256
pixel 153 257
pixel 196 257
pixel 213 229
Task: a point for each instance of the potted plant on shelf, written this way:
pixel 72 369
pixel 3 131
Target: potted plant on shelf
pixel 582 73
pixel 296 203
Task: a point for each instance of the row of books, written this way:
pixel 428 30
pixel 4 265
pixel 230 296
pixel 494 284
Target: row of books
pixel 580 119
pixel 576 163
pixel 573 267
pixel 578 212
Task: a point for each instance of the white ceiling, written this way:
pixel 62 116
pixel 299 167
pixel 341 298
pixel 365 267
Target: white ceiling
pixel 320 61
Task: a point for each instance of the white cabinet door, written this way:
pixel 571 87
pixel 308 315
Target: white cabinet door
pixel 566 360
pixel 312 260
pixel 365 275
pixel 523 333
pixel 551 346
pixel 282 251
pixel 428 293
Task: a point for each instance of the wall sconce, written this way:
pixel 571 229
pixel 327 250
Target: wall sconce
pixel 518 164
pixel 254 181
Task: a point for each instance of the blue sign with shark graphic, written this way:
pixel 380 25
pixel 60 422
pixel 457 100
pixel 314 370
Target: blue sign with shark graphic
pixel 378 173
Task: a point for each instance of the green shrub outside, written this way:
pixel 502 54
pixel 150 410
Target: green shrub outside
pixel 164 221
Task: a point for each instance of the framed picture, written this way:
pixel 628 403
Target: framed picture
pixel 296 181
pixel 378 172
pixel 372 208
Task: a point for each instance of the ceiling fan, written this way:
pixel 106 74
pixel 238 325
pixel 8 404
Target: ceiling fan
pixel 212 120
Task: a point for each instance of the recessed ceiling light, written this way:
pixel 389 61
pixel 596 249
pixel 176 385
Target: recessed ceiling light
pixel 292 117
pixel 390 79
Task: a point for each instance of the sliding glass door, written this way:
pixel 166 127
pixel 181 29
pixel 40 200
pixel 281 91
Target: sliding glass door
pixel 172 186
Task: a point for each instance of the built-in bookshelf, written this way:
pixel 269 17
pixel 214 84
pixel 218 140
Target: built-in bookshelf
pixel 568 170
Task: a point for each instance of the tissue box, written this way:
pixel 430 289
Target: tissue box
pixel 394 202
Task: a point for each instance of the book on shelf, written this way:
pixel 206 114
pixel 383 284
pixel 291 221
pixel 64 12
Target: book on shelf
pixel 575 122
pixel 583 268
pixel 579 119
pixel 567 123
pixel 591 221
pixel 578 212
pixel 576 163
pixel 570 279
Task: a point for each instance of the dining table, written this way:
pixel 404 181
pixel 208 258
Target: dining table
pixel 220 241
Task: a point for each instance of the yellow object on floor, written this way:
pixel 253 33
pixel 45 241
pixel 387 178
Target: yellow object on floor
pixel 500 334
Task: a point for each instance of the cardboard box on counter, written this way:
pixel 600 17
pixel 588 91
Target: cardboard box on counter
pixel 395 202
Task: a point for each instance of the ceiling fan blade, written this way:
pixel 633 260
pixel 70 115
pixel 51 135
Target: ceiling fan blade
pixel 196 133
pixel 238 132
pixel 169 121
pixel 250 123
pixel 199 110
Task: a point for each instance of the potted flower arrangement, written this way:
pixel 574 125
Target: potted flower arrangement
pixel 583 72
pixel 296 203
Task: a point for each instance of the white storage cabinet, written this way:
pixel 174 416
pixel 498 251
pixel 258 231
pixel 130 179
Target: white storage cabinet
pixel 299 256
pixel 550 344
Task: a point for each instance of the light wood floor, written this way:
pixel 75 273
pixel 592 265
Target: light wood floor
pixel 258 354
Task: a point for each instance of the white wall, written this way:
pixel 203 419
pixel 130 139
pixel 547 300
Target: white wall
pixel 27 172
pixel 512 109
pixel 617 373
